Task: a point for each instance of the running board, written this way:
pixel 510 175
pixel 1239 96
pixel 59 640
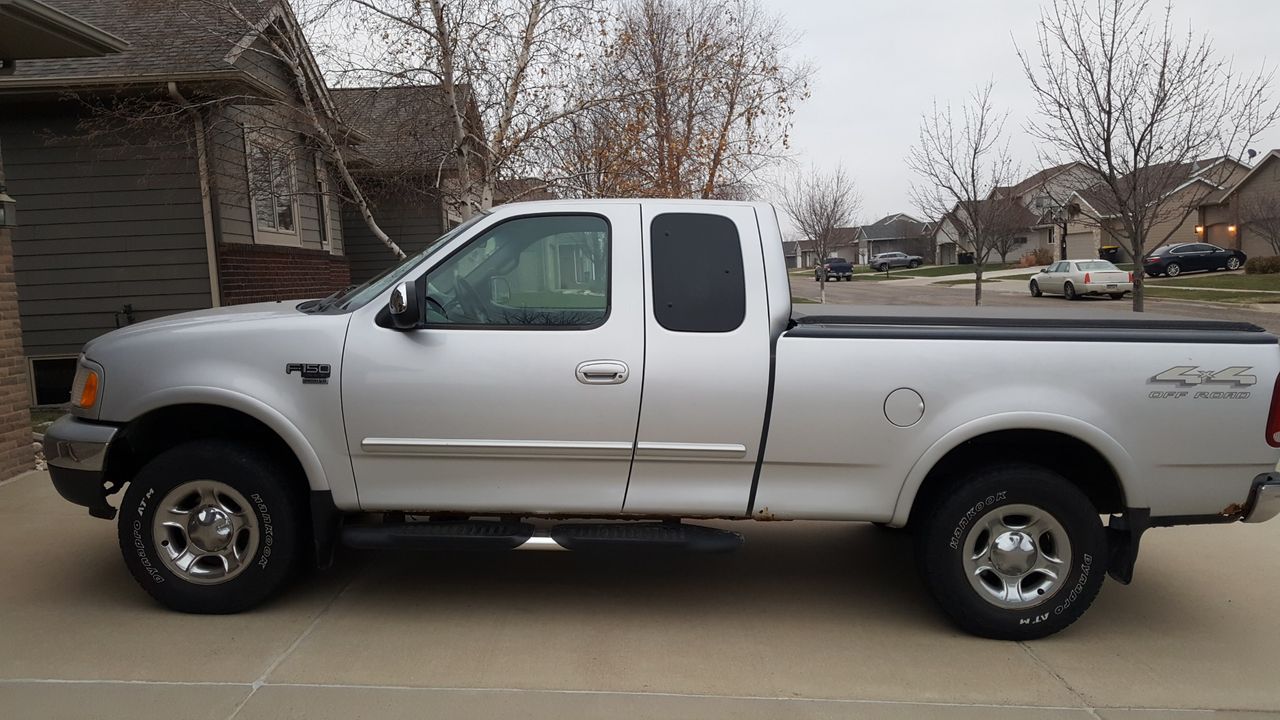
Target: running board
pixel 495 535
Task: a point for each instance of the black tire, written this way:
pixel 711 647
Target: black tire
pixel 1069 292
pixel 1035 289
pixel 281 539
pixel 1173 270
pixel 913 264
pixel 941 545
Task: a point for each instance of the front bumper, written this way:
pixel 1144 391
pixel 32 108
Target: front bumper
pixel 1264 500
pixel 76 451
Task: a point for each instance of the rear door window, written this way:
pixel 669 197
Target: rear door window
pixel 696 266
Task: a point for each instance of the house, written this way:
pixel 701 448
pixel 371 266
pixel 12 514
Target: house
pixel 180 177
pixel 1246 215
pixel 1017 224
pixel 802 254
pixel 895 233
pixel 404 159
pixel 29 30
pixel 1042 194
pixel 1183 187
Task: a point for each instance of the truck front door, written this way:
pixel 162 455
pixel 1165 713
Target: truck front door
pixel 522 392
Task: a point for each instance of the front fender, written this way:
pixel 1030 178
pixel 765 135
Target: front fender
pixel 267 415
pixel 1134 492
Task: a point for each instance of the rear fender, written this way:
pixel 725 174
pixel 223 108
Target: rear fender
pixel 1135 494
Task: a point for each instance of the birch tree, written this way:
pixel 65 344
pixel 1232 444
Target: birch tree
pixel 1127 95
pixel 961 160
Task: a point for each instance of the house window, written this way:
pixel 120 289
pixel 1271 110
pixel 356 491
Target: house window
pixel 273 190
pixel 51 379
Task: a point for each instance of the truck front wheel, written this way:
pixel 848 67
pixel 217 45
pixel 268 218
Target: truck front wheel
pixel 1014 552
pixel 210 527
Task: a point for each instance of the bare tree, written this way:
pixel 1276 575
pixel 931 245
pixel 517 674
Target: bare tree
pixel 819 203
pixel 1260 213
pixel 505 66
pixel 696 97
pixel 1008 224
pixel 962 160
pixel 1139 103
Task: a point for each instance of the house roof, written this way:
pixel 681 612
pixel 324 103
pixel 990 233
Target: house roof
pixel 165 39
pixel 1038 179
pixel 1160 179
pixel 894 227
pixel 1222 194
pixel 409 128
pixel 31 29
pixel 844 237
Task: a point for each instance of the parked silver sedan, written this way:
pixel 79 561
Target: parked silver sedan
pixel 1076 278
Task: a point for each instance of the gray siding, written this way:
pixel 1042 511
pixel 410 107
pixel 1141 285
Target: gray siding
pixel 412 221
pixel 103 223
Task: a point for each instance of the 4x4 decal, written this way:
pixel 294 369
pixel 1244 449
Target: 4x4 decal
pixel 1188 375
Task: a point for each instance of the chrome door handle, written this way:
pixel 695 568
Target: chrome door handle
pixel 602 372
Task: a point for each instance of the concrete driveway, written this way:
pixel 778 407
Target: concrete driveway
pixel 816 620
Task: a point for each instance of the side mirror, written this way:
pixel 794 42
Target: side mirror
pixel 403 307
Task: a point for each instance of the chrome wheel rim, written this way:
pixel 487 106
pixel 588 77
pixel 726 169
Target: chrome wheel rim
pixel 1233 264
pixel 1017 556
pixel 205 532
pixel 1173 270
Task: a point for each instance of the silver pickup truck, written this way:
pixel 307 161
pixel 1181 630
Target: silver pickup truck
pixel 590 375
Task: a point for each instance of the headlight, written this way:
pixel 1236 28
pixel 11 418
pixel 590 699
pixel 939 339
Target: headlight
pixel 86 390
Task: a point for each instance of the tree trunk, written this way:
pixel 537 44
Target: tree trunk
pixel 977 285
pixel 822 289
pixel 1138 250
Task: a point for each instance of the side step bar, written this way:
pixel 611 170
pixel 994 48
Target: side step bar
pixel 497 535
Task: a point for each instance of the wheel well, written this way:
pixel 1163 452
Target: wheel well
pixel 159 430
pixel 1075 459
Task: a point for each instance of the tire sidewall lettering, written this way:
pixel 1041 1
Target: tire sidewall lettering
pixel 140 543
pixel 268 535
pixel 958 533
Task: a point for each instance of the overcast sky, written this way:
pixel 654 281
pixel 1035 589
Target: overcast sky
pixel 880 63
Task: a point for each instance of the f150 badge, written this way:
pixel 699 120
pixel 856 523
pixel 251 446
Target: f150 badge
pixel 1191 376
pixel 312 373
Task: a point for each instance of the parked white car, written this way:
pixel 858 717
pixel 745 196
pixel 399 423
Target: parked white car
pixel 1073 279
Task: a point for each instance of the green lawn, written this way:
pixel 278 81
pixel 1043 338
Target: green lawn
pixel 1235 281
pixel 798 299
pixel 969 281
pixel 941 270
pixel 1174 293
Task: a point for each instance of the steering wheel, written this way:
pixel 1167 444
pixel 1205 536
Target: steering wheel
pixel 469 300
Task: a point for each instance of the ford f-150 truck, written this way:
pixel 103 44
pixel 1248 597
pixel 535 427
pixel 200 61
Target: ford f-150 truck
pixel 592 375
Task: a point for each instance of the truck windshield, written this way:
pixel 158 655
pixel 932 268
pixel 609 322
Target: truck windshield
pixel 356 296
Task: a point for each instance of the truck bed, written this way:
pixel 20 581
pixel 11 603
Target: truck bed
pixel 999 323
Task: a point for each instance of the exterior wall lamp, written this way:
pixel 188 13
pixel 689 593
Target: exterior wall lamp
pixel 8 209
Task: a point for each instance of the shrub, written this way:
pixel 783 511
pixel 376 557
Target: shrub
pixel 1262 265
pixel 1039 257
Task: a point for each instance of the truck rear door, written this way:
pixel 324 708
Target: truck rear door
pixel 707 361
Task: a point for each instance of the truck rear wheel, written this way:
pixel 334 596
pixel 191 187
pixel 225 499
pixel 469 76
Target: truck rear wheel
pixel 209 527
pixel 1015 552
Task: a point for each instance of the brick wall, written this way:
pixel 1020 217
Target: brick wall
pixel 261 273
pixel 16 454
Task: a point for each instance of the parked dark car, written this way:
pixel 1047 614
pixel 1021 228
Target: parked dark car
pixel 1173 260
pixel 887 260
pixel 835 268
